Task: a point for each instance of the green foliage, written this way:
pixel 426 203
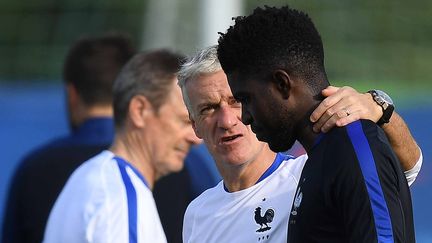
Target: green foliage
pixel 376 40
pixel 36 34
pixel 380 41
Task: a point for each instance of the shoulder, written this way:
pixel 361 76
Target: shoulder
pixel 348 150
pixel 209 195
pixel 51 157
pixel 43 152
pixel 338 151
pixel 292 167
pixel 365 128
pixel 356 132
pixel 92 169
pixel 91 178
pixel 367 138
pixel 199 211
pixel 55 165
pixel 54 144
pixel 87 188
pixel 297 163
pixel 350 139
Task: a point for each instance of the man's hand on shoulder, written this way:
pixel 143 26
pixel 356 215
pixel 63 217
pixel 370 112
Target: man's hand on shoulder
pixel 343 106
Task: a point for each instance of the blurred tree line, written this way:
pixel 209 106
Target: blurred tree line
pixel 36 34
pixel 365 40
pixel 376 41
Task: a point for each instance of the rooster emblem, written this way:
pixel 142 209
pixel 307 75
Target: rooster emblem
pixel 264 220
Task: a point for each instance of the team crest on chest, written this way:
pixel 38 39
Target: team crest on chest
pixel 264 217
pixel 264 220
pixel 297 201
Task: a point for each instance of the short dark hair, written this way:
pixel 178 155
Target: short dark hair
pixel 274 38
pixel 93 63
pixel 150 74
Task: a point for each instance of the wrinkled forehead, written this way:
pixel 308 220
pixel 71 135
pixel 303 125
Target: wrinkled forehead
pixel 208 86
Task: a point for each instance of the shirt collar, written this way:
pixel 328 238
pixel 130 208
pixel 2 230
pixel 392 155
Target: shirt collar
pixel 99 130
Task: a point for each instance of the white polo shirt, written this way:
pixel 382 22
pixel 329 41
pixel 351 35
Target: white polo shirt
pixel 105 200
pixel 256 214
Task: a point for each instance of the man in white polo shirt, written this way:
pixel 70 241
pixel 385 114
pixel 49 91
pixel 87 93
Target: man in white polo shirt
pixel 109 197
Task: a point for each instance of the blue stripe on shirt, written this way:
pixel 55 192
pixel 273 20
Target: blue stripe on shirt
pixel 373 186
pixel 131 197
pixel 280 157
pixel 276 163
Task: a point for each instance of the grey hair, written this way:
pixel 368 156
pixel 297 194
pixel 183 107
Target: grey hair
pixel 204 61
pixel 150 74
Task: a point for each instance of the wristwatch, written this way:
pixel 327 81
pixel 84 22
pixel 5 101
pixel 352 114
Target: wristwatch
pixel 386 103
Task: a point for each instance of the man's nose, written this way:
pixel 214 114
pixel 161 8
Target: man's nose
pixel 227 117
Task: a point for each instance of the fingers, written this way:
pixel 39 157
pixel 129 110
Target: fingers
pixel 352 117
pixel 338 99
pixel 335 116
pixel 332 98
pixel 343 106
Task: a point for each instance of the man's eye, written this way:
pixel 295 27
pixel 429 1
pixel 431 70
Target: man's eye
pixel 206 110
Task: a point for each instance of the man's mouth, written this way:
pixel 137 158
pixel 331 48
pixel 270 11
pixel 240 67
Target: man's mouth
pixel 228 139
pixel 182 151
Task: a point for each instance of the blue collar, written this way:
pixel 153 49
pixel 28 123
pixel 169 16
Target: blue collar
pixel 95 131
pixel 276 163
pixel 280 157
pixel 123 163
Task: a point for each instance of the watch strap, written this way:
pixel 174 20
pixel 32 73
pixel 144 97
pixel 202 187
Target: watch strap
pixel 386 107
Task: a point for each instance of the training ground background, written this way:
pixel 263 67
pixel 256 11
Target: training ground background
pixel 33 114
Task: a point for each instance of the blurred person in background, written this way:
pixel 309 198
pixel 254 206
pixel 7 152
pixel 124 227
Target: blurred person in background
pixel 90 67
pixel 109 197
pixel 253 201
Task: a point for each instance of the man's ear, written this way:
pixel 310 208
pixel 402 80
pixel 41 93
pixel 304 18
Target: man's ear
pixel 72 96
pixel 76 108
pixel 139 109
pixel 282 82
pixel 194 127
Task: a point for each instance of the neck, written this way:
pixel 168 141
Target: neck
pixel 132 149
pixel 240 177
pixel 306 135
pixel 99 111
pixel 82 113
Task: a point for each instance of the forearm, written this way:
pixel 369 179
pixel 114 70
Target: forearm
pixel 402 142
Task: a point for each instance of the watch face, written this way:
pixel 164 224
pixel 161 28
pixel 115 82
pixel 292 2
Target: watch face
pixel 384 96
